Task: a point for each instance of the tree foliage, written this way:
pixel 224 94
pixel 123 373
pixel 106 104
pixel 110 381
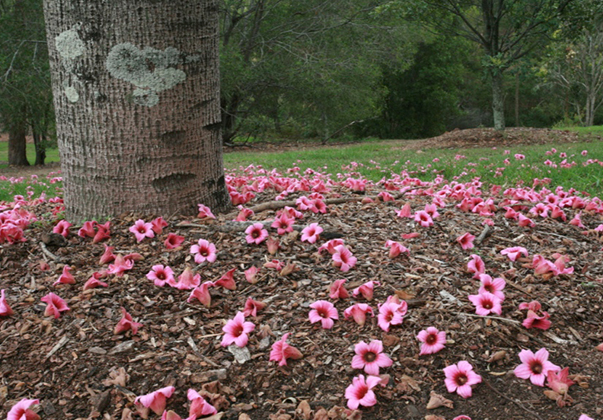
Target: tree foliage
pixel 25 91
pixel 315 64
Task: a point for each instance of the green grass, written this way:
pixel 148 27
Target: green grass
pixel 594 130
pixel 376 160
pixel 477 162
pixel 52 155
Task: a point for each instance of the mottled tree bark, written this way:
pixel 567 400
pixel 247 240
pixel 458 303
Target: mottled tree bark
pixel 17 143
pixel 136 93
pixel 498 100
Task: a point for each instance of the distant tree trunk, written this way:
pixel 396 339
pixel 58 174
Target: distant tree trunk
pixel 40 145
pixel 137 100
pixel 517 123
pixel 498 100
pixel 17 145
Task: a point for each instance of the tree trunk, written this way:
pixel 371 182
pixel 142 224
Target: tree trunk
pixel 137 100
pixel 40 145
pixel 17 145
pixel 517 123
pixel 498 100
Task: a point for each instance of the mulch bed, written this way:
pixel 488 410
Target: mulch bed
pixel 67 363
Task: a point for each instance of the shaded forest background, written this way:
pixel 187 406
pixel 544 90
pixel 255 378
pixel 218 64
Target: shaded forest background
pixel 358 68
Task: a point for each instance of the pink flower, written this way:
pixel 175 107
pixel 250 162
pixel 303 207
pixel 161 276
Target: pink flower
pixel 204 251
pixel 324 312
pixel 21 411
pixel 173 241
pixel 55 305
pixel 227 280
pixel 395 248
pixel 244 214
pixel 460 378
pixel 5 310
pixel 310 233
pixel 577 221
pixel 462 417
pixel 494 286
pixel 283 223
pixel 170 415
pixel 410 235
pixel 236 331
pixel 366 290
pixel 559 382
pixel 186 281
pixel 158 224
pixel 65 277
pixel 514 252
pixel 405 211
pixel 104 232
pixel 338 291
pixel 276 264
pixel 330 246
pixel 385 196
pixel 370 357
pixel 486 303
pixel 120 266
pixel 432 339
pixel 199 406
pixel 389 315
pixel 108 255
pixel 423 218
pixel 476 266
pixel 156 400
pixel 62 228
pixel 142 230
pixel 281 351
pixel 87 230
pixel 525 221
pixel 466 241
pixel 273 245
pixel 256 234
pixel 585 417
pixel 126 323
pixel 535 367
pixel 250 274
pixel 205 212
pixel 161 275
pixel 358 312
pixel 360 392
pixel 252 307
pixel 94 280
pixel 201 293
pixel 343 258
pixel 519 156
pixel 533 320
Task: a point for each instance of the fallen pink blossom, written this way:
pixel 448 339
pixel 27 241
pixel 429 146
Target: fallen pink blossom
pixel 21 410
pixel 55 305
pixel 5 309
pixel 281 351
pixel 156 400
pixel 460 377
pixel 199 407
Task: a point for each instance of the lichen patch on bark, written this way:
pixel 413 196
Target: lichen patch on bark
pixel 149 69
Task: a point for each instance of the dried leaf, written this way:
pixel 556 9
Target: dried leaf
pixel 303 410
pixel 406 384
pixel 499 355
pixel 321 414
pixel 117 377
pixel 436 400
pixel 402 294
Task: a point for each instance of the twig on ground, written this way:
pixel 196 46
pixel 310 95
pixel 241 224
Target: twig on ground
pixel 49 254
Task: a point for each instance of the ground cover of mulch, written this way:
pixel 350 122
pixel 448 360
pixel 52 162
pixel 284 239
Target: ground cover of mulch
pixel 79 369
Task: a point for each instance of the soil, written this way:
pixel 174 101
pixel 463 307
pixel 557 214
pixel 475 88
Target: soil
pixel 70 363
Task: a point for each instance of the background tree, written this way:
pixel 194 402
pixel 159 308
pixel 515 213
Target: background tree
pixel 312 67
pixel 136 94
pixel 25 92
pixel 507 30
pixel 574 59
